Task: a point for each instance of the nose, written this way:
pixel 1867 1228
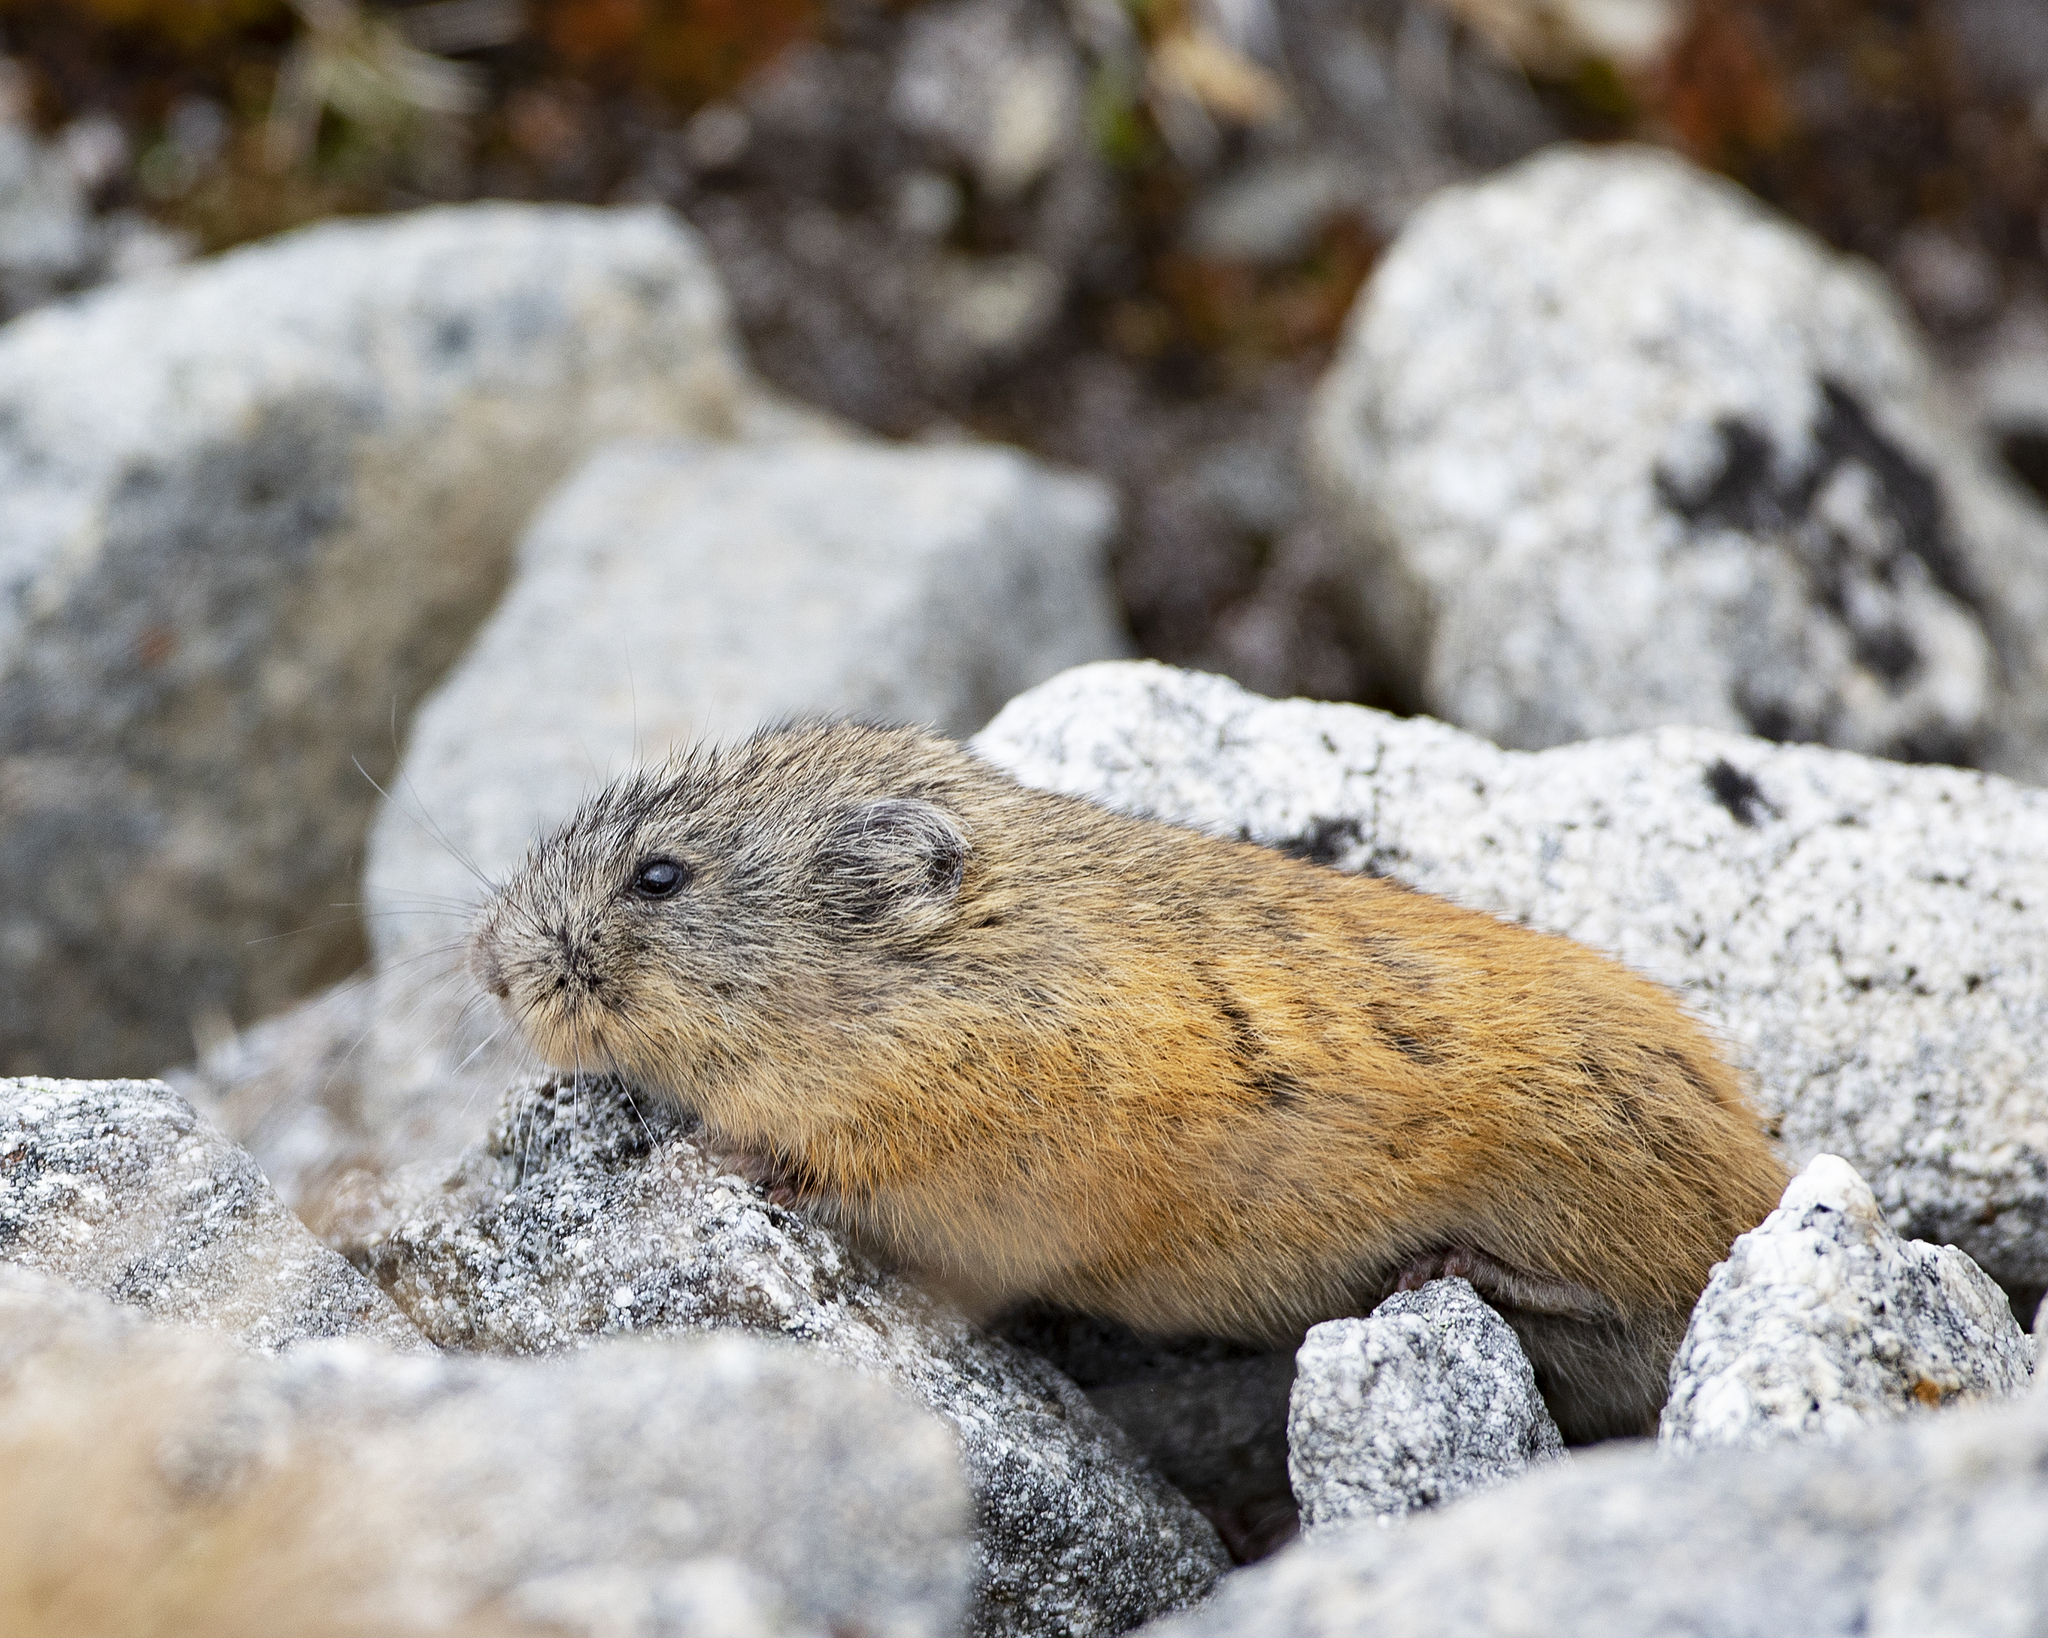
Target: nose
pixel 579 955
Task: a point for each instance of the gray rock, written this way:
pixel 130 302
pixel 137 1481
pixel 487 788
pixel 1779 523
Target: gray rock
pixel 1216 1429
pixel 585 1215
pixel 119 1187
pixel 1822 1320
pixel 1273 211
pixel 1616 448
pixel 1936 1527
pixel 1427 1399
pixel 248 512
pixel 1557 36
pixel 45 228
pixel 1209 1413
pixel 157 1479
pixel 995 93
pixel 2007 388
pixel 985 310
pixel 1868 939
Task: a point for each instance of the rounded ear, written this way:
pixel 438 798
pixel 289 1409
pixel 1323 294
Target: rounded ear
pixel 893 868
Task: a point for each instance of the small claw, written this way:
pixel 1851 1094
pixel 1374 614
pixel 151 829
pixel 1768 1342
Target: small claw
pixel 1507 1287
pixel 1455 1263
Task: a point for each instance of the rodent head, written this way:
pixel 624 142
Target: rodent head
pixel 730 900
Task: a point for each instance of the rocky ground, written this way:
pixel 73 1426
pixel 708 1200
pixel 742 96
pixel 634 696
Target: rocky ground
pixel 334 566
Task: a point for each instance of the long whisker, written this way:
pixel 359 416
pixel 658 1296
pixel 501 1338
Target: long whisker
pixel 408 903
pixel 479 1047
pixel 424 823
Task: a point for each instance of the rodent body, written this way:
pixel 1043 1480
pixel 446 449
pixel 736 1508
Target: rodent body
pixel 1027 1047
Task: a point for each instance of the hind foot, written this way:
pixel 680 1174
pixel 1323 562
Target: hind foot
pixel 1506 1287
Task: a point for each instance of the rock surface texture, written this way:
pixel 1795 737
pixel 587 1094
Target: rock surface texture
pixel 1868 939
pixel 157 1479
pixel 585 1215
pixel 1425 1400
pixel 1936 1527
pixel 249 510
pixel 1822 1320
pixel 120 1187
pixel 1617 448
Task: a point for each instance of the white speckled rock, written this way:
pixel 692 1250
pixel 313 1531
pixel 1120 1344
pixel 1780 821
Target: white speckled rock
pixel 1425 1400
pixel 1934 1529
pixel 585 1215
pixel 119 1187
pixel 1616 447
pixel 249 510
pixel 1870 940
pixel 1822 1319
pixel 155 1479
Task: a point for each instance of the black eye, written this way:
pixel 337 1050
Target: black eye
pixel 658 879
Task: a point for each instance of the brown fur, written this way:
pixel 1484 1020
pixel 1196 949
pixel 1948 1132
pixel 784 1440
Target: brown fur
pixel 1029 1047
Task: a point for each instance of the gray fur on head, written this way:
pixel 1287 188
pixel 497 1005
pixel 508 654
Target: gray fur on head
pixel 815 857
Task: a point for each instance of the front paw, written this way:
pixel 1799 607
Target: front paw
pixel 777 1180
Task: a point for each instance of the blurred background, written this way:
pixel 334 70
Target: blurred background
pixel 1120 233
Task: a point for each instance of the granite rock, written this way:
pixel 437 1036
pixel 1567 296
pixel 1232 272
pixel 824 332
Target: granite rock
pixel 586 1215
pixel 119 1187
pixel 154 1478
pixel 1938 1526
pixel 249 511
pixel 1428 1398
pixel 1615 448
pixel 1822 1319
pixel 1867 939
